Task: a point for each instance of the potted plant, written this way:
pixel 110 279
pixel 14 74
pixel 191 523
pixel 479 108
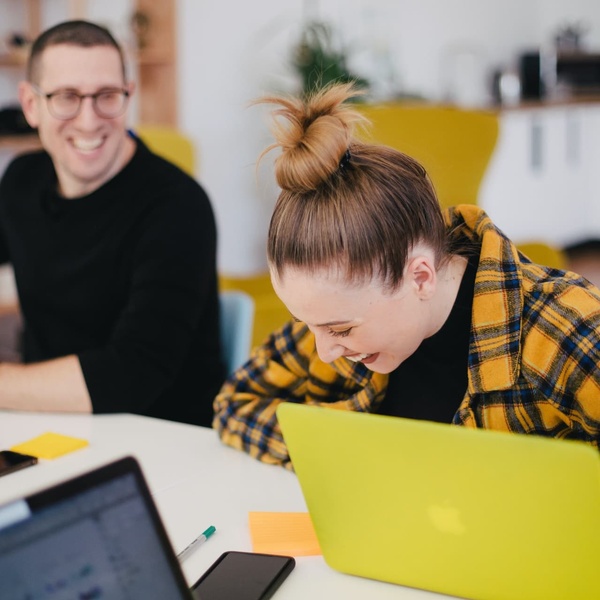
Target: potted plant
pixel 319 62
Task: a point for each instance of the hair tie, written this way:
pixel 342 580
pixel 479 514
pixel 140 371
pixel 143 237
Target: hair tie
pixel 345 161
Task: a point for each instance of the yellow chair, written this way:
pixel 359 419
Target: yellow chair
pixel 170 144
pixel 454 145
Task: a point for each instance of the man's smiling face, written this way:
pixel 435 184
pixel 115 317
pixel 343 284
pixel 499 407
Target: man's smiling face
pixel 87 150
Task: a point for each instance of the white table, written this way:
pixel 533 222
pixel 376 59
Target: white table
pixel 196 481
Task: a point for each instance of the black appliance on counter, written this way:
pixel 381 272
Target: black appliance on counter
pixel 576 72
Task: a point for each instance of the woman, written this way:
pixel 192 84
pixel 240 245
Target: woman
pixel 401 309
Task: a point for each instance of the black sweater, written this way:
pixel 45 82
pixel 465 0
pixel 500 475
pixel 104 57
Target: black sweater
pixel 431 384
pixel 124 277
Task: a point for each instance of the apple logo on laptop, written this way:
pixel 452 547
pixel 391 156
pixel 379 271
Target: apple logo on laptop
pixel 446 518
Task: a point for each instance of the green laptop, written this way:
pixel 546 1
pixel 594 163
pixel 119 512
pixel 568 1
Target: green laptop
pixel 471 513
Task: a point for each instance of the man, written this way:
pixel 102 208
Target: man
pixel 113 249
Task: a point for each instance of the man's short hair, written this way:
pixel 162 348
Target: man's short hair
pixel 76 33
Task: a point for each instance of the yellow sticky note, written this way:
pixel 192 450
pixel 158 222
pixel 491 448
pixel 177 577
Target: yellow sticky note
pixel 50 445
pixel 283 533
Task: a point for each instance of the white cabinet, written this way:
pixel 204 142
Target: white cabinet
pixel 543 182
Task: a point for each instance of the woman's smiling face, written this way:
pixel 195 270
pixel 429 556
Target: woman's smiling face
pixel 362 322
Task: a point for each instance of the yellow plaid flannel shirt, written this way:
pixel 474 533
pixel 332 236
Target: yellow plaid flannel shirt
pixel 533 366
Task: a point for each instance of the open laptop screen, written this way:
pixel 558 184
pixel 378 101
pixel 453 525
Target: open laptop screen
pixel 96 536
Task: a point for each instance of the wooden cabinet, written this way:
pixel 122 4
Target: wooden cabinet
pixel 157 63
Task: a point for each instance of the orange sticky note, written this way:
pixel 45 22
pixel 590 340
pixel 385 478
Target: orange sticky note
pixel 283 533
pixel 50 445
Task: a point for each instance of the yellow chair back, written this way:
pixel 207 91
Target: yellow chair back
pixel 170 144
pixel 454 145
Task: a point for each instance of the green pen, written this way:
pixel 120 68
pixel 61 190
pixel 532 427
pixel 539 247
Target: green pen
pixel 199 540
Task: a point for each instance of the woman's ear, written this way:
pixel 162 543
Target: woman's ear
pixel 29 103
pixel 421 272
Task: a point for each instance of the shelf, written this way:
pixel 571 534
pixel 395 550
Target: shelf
pixel 565 100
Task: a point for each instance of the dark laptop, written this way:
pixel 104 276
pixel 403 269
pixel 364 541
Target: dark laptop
pixel 96 536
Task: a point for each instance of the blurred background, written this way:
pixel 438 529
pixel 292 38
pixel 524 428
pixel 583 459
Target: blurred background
pixel 533 64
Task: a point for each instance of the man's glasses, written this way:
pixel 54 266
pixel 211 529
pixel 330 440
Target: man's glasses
pixel 66 104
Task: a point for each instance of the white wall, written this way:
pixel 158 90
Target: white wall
pixel 232 51
pixel 226 61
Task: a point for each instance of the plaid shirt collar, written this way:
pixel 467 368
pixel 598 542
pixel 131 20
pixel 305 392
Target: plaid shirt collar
pixel 495 349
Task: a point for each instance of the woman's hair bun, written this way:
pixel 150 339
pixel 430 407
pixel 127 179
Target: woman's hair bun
pixel 313 135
